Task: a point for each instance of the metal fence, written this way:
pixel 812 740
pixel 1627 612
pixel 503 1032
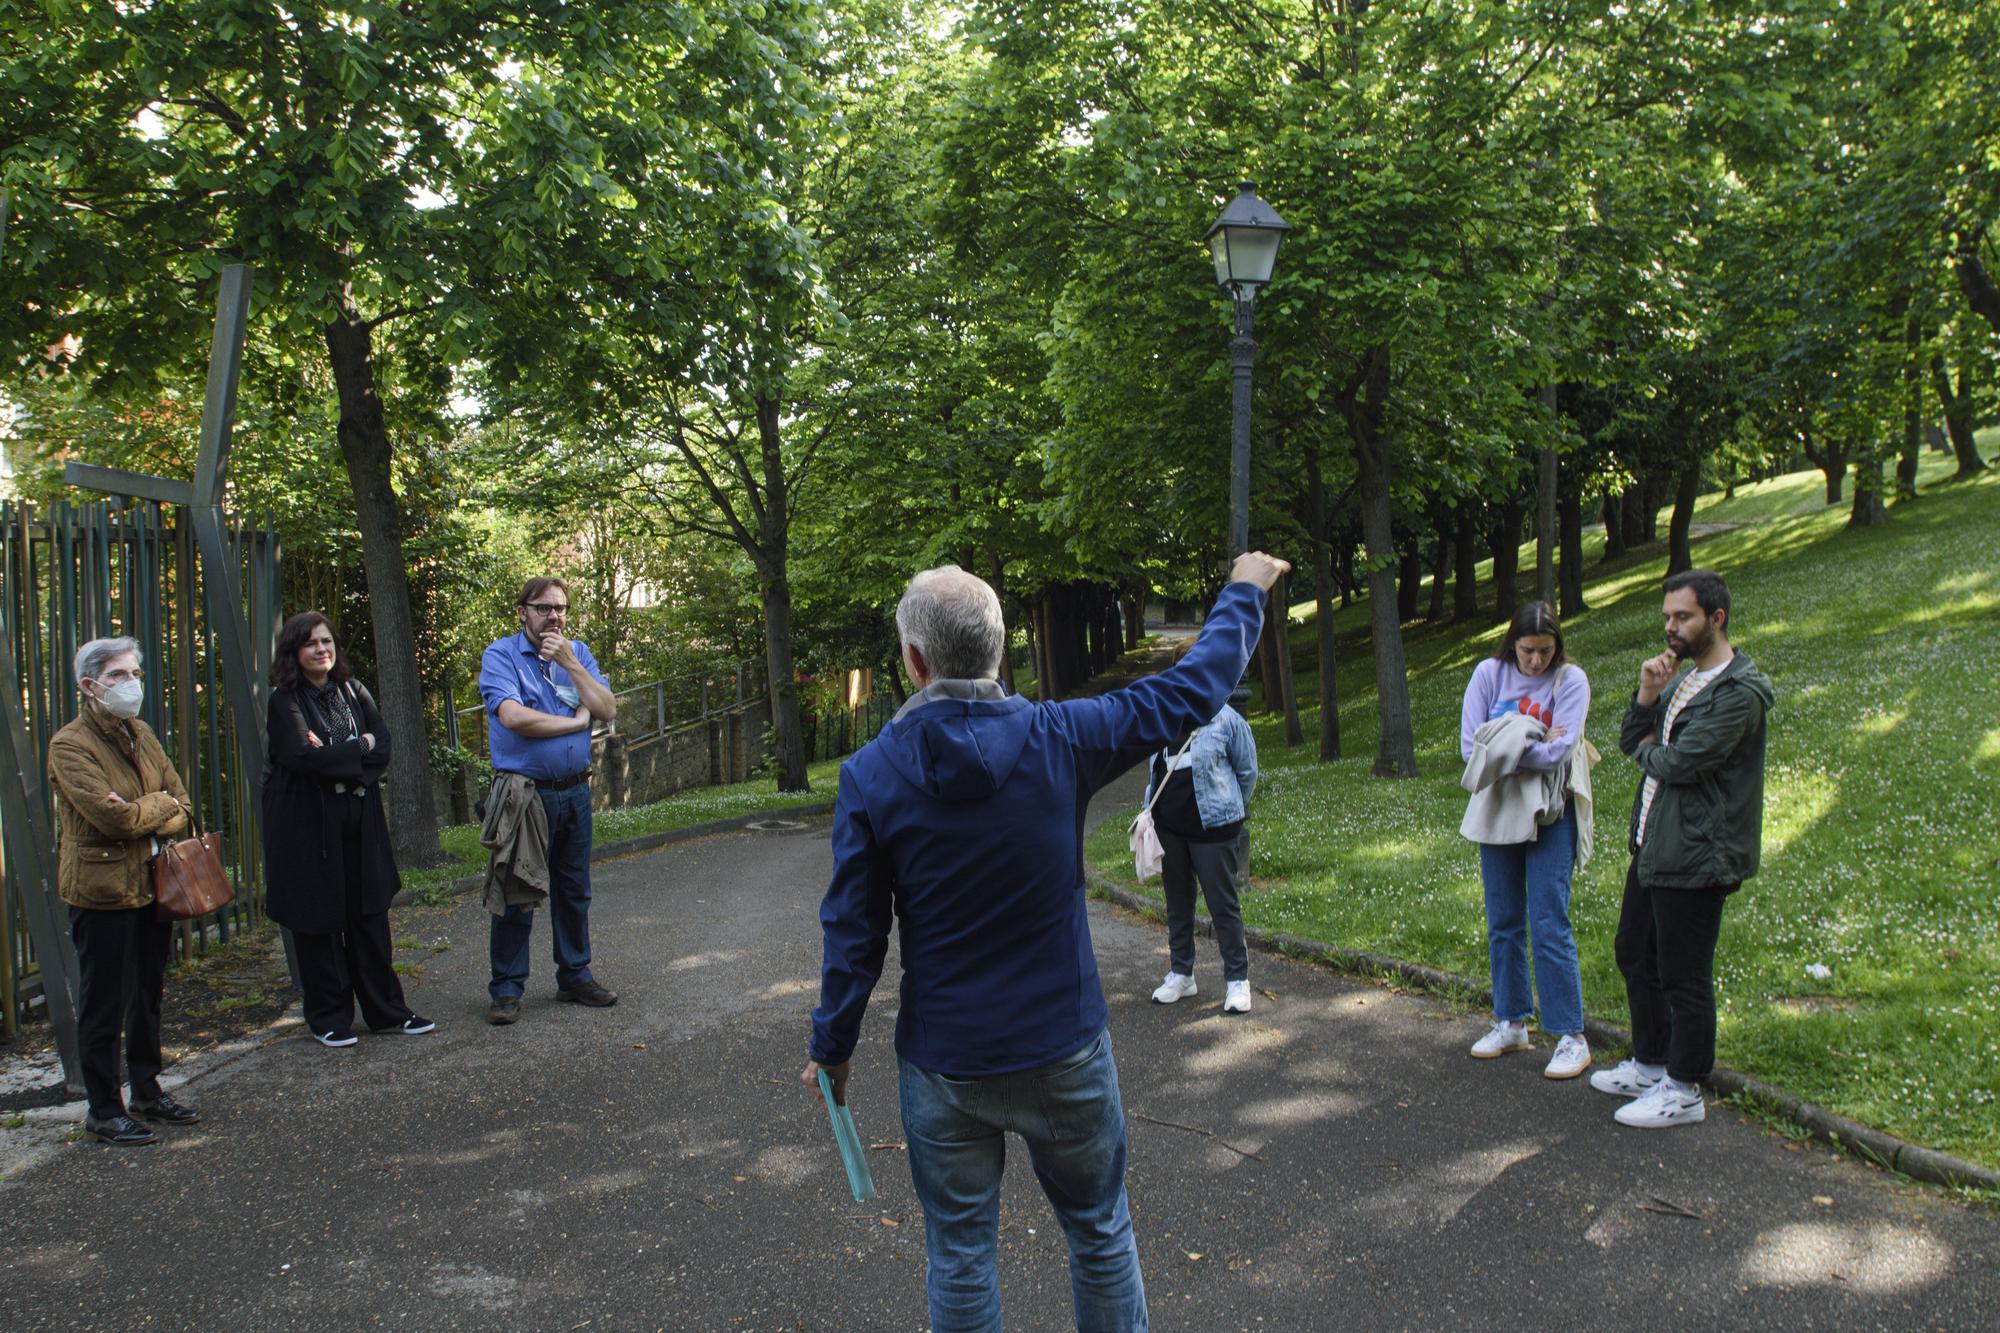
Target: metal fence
pixel 69 574
pixel 644 711
pixel 840 731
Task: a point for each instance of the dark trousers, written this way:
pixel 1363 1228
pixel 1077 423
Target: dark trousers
pixel 122 960
pixel 355 963
pixel 1666 949
pixel 570 825
pixel 1219 867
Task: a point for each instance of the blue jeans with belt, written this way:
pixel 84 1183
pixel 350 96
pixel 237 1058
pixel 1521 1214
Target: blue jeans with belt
pixel 1527 898
pixel 568 814
pixel 1073 1121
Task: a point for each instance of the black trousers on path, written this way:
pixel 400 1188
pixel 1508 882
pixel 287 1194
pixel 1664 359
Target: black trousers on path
pixel 122 962
pixel 1666 949
pixel 356 963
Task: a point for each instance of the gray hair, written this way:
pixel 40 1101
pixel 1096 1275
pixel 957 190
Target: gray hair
pixel 953 620
pixel 93 657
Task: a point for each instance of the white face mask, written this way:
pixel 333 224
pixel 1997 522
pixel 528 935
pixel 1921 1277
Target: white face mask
pixel 122 699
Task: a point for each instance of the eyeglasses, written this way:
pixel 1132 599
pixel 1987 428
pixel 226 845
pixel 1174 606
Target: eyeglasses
pixel 547 608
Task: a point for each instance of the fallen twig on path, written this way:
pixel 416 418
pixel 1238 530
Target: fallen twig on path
pixel 1670 1209
pixel 1196 1129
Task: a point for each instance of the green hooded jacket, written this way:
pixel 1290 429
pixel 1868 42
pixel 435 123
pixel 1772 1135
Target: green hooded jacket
pixel 1707 822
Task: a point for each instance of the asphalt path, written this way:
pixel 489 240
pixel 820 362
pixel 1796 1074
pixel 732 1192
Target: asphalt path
pixel 1330 1160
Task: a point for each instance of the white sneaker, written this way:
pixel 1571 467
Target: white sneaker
pixel 1237 1001
pixel 1629 1079
pixel 1668 1103
pixel 1177 986
pixel 1572 1057
pixel 1503 1038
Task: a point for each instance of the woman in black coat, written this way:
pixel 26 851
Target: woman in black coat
pixel 328 871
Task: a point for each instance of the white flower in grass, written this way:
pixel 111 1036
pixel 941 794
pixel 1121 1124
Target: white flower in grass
pixel 1818 971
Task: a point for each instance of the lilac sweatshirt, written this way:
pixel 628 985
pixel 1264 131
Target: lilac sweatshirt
pixel 1494 680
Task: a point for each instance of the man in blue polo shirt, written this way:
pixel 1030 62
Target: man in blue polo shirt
pixel 542 690
pixel 962 824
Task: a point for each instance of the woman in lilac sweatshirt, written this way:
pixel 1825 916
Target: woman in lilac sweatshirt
pixel 1527 884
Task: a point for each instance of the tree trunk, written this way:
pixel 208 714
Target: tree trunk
pixel 1397 755
pixel 1410 579
pixel 996 575
pixel 1830 458
pixel 1135 619
pixel 365 446
pixel 1442 538
pixel 1322 550
pixel 1980 292
pixel 1278 641
pixel 1958 413
pixel 775 587
pixel 1545 513
pixel 1465 558
pixel 1504 542
pixel 1679 553
pixel 1869 510
pixel 1569 574
pixel 1911 457
pixel 1268 671
pixel 1654 492
pixel 1614 529
pixel 1632 515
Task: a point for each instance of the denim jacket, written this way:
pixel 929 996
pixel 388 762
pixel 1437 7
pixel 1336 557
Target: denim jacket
pixel 1223 765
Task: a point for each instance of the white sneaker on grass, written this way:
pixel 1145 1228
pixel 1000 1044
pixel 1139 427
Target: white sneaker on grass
pixel 1668 1103
pixel 1629 1079
pixel 1237 1001
pixel 1572 1057
pixel 1503 1038
pixel 1177 986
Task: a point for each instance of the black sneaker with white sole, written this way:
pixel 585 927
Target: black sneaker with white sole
pixel 337 1037
pixel 413 1026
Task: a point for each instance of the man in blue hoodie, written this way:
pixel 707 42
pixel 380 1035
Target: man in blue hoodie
pixel 963 820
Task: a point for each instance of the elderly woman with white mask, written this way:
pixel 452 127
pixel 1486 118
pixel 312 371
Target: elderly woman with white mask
pixel 118 797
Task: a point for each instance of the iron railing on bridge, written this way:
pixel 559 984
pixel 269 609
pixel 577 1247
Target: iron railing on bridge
pixel 69 574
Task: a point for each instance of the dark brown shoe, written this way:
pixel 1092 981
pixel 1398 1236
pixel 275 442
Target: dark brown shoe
pixel 587 993
pixel 503 1011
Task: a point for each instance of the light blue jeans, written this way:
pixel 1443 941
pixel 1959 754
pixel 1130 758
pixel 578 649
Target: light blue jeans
pixel 1073 1121
pixel 1527 897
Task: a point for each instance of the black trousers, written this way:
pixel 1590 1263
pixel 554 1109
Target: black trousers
pixel 355 963
pixel 1219 868
pixel 122 961
pixel 1666 949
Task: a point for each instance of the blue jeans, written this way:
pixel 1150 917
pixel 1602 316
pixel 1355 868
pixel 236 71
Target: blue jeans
pixel 1527 895
pixel 568 813
pixel 1073 1121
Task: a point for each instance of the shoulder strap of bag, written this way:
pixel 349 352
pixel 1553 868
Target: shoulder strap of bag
pixel 1162 784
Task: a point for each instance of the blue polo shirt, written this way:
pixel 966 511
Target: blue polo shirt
pixel 512 669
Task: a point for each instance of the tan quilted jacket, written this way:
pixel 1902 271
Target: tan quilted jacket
pixel 101 859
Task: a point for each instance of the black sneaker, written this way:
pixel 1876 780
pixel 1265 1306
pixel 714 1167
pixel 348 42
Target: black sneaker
pixel 122 1130
pixel 504 1010
pixel 166 1111
pixel 337 1037
pixel 413 1026
pixel 587 993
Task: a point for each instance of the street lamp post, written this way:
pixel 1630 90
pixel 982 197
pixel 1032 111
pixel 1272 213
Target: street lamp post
pixel 1244 244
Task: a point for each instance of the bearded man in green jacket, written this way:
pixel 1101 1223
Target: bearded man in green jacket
pixel 1697 826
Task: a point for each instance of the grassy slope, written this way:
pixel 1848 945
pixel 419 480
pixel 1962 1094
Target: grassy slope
pixel 1880 847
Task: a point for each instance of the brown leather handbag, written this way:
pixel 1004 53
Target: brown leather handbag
pixel 188 878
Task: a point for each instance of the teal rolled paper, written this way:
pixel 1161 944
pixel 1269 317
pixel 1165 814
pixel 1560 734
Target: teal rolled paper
pixel 848 1139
